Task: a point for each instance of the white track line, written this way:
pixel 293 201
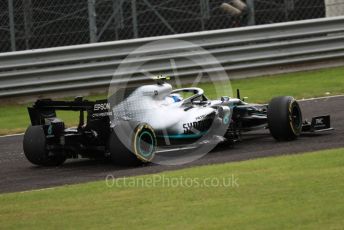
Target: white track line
pixel 321 98
pixel 12 135
pixel 309 99
pixel 39 190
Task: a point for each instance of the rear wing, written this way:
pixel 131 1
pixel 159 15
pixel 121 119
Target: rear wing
pixel 43 110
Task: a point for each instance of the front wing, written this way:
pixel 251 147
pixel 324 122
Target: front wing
pixel 318 124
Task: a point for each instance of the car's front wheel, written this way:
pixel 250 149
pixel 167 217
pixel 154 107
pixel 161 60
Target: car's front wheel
pixel 284 118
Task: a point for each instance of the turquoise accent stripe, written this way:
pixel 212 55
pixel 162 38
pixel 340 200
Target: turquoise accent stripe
pixel 183 136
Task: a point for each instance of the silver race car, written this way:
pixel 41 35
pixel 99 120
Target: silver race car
pixel 134 124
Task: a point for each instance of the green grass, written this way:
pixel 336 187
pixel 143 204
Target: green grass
pixel 290 192
pixel 299 85
pixel 14 118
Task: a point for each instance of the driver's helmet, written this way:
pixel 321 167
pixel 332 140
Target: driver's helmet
pixel 176 97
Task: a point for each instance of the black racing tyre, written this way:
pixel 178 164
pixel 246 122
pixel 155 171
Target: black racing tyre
pixel 284 118
pixel 34 145
pixel 132 143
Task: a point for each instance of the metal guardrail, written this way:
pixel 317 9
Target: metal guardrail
pixel 93 65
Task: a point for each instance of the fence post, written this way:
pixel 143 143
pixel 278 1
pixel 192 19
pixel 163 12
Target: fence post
pixel 251 13
pixel 134 15
pixel 334 8
pixel 205 12
pixel 118 17
pixel 12 26
pixel 288 6
pixel 27 11
pixel 92 20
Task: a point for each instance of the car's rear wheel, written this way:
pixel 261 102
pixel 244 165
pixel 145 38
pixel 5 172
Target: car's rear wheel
pixel 132 143
pixel 34 145
pixel 284 118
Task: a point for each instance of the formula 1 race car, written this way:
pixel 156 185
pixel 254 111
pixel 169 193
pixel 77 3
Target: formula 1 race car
pixel 134 124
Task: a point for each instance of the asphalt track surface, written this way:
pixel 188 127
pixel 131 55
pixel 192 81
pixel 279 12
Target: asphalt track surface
pixel 17 174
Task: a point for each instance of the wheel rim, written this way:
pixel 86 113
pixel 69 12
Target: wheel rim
pixel 145 144
pixel 296 121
